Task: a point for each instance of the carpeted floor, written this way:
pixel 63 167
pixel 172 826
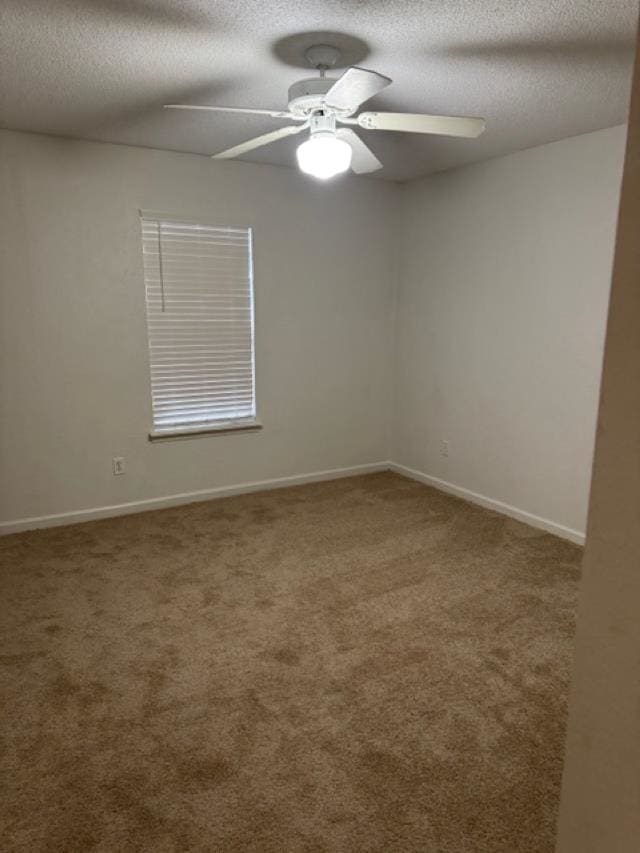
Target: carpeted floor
pixel 350 666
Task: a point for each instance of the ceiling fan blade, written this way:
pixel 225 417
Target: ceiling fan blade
pixel 355 87
pixel 414 123
pixel 363 159
pixel 249 110
pixel 259 141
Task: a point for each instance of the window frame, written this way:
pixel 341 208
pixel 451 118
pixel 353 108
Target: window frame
pixel 219 427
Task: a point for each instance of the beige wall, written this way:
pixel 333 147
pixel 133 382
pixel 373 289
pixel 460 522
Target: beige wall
pixel 600 805
pixel 73 361
pixel 504 281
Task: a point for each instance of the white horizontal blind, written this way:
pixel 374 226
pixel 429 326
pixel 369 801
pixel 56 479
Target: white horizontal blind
pixel 199 290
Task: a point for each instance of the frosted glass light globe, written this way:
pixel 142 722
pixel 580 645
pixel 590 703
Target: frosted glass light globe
pixel 323 155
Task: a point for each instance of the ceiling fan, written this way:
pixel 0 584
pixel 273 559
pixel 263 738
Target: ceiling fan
pixel 320 105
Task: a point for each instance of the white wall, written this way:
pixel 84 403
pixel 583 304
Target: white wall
pixel 504 282
pixel 74 379
pixel 500 274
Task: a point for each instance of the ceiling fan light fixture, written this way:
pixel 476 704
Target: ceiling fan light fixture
pixel 324 156
pixel 320 105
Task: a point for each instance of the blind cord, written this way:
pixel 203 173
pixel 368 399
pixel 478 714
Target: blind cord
pixel 160 265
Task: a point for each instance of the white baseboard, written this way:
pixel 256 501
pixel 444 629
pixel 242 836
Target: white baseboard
pixel 77 516
pixel 482 500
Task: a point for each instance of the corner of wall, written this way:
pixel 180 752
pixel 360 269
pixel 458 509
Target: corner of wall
pixel 398 223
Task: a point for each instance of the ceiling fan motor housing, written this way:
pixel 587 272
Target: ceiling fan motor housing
pixel 307 97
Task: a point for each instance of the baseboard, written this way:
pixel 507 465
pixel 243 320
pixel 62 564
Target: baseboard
pixel 77 516
pixel 489 503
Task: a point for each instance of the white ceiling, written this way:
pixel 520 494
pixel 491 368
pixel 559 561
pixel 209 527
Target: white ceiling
pixel 537 70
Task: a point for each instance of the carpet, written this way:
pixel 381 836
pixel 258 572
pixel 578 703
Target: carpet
pixel 358 665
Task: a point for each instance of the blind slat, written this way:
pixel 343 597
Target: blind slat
pixel 199 297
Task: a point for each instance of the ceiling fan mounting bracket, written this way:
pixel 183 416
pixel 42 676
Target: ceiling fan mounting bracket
pixel 322 56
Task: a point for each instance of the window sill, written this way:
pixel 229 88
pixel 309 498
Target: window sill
pixel 200 432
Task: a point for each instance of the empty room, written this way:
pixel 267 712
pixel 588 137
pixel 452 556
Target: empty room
pixel 320 405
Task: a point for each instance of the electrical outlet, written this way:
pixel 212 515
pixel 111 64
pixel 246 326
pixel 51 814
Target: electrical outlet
pixel 117 463
pixel 444 448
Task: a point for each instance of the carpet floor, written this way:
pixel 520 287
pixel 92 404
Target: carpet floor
pixel 357 665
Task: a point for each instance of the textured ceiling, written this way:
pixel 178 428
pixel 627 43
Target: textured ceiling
pixel 537 70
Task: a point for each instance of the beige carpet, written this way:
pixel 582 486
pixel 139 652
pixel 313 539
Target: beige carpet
pixel 358 665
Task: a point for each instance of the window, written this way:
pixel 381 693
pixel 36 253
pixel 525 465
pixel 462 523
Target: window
pixel 199 293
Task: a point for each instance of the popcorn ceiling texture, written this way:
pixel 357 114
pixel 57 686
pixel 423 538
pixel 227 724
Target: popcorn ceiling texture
pixel 101 69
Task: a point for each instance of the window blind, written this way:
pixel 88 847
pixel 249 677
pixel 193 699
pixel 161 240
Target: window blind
pixel 199 297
